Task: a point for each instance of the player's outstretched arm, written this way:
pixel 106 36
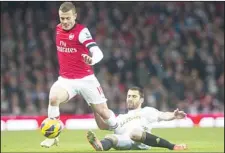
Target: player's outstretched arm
pixel 176 114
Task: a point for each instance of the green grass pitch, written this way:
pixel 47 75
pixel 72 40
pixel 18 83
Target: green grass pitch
pixel 197 139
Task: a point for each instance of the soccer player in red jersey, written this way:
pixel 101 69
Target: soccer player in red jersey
pixel 74 43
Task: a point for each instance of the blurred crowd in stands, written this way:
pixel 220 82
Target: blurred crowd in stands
pixel 174 50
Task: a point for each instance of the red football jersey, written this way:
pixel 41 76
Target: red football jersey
pixel 70 46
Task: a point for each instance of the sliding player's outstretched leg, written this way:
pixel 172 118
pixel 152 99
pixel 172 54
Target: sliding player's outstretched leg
pixel 154 141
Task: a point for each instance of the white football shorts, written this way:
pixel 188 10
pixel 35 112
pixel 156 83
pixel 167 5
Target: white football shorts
pixel 88 87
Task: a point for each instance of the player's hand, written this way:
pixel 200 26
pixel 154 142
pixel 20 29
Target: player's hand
pixel 179 114
pixel 87 59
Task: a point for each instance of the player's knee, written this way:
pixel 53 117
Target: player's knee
pixel 58 99
pixel 57 96
pixel 53 101
pixel 136 135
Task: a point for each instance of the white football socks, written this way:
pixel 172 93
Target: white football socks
pixel 112 122
pixel 53 111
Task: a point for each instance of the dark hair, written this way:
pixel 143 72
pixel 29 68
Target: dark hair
pixel 67 6
pixel 140 90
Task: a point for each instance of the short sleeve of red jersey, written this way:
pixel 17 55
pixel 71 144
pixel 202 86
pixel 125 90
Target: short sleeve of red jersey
pixel 85 38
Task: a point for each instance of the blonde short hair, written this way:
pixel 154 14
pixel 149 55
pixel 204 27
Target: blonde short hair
pixel 67 6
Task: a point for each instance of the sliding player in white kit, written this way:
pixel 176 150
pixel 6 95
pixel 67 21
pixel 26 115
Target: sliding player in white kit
pixel 134 131
pixel 74 43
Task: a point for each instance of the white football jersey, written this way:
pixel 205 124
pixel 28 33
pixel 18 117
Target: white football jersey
pixel 137 119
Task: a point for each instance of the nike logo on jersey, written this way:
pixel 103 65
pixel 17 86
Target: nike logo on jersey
pixel 87 35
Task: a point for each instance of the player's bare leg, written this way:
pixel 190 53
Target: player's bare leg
pixel 93 140
pixel 57 95
pixel 102 125
pixel 154 141
pixel 106 114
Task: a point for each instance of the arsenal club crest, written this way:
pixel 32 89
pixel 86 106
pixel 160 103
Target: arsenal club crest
pixel 71 36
